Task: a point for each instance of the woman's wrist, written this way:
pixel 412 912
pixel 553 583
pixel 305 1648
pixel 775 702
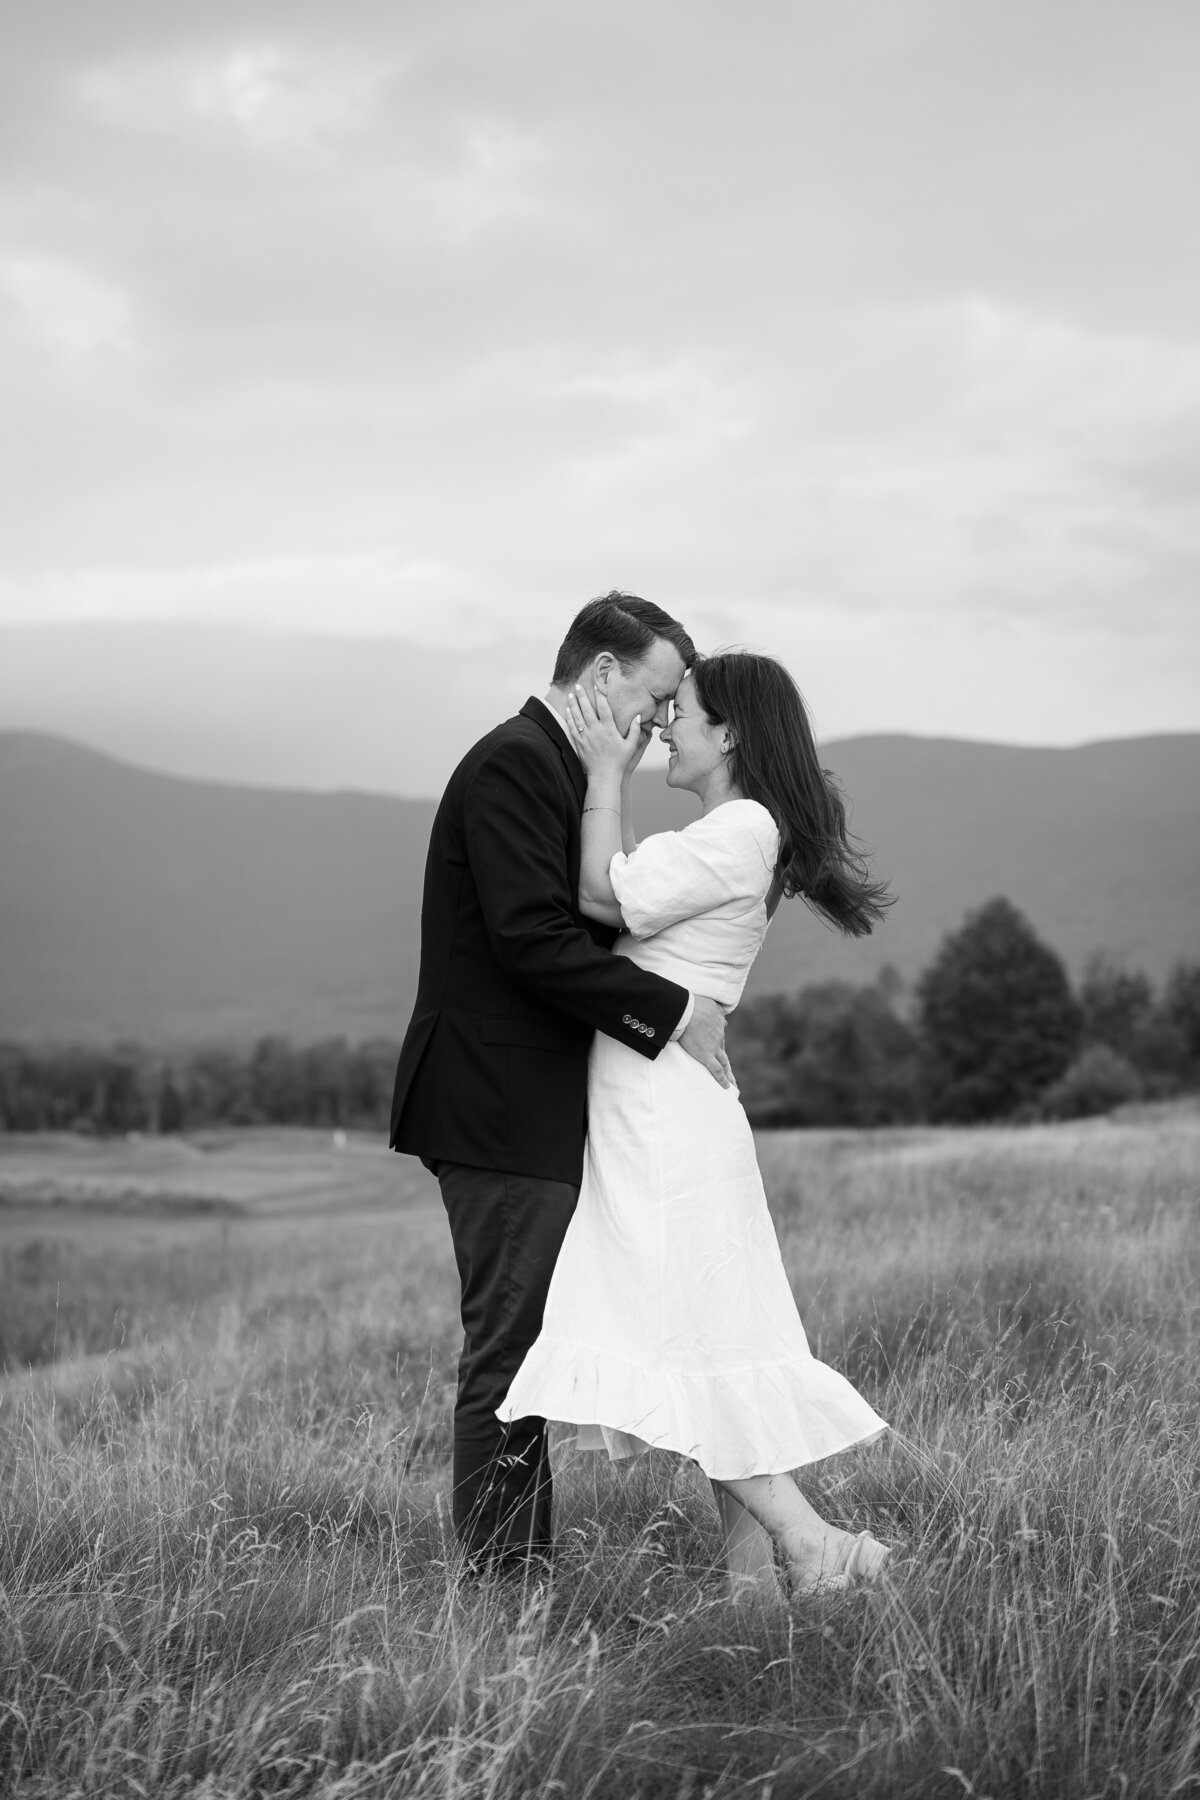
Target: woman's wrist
pixel 604 790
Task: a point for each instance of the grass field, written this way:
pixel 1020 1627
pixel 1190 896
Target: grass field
pixel 224 1421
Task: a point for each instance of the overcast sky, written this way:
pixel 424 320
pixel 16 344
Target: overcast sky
pixel 864 331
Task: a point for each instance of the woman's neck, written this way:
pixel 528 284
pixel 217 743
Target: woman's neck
pixel 717 790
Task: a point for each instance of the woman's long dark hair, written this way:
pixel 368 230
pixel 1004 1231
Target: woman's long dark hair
pixel 774 761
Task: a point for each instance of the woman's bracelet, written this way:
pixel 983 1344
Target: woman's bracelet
pixel 611 809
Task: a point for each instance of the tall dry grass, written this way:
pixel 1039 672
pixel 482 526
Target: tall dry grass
pixel 226 1571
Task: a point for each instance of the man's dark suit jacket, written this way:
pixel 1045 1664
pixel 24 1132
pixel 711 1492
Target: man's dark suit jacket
pixel 513 980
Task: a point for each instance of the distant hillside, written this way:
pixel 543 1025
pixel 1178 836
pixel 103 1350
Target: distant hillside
pixel 139 904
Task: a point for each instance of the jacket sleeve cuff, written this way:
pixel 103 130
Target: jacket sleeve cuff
pixel 685 1019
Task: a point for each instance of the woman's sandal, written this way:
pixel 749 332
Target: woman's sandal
pixel 866 1560
pixel 858 1562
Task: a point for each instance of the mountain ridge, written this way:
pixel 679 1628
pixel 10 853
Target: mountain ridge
pixel 41 742
pixel 176 909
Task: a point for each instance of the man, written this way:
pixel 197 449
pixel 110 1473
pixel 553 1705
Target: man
pixel 491 1087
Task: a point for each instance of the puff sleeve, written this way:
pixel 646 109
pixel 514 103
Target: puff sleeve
pixel 676 874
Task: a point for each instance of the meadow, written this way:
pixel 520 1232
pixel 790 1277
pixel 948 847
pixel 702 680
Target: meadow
pixel 225 1564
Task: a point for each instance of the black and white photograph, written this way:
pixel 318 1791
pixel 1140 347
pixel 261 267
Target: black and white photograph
pixel 599 900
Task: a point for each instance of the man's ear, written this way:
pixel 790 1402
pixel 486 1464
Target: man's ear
pixel 602 669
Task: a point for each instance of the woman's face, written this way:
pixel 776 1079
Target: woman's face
pixel 693 740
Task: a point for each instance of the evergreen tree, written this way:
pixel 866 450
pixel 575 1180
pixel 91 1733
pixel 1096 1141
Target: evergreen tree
pixel 1116 1005
pixel 997 1016
pixel 833 1054
pixel 1181 1000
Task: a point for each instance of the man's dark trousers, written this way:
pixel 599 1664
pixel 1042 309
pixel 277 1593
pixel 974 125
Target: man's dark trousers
pixel 507 1232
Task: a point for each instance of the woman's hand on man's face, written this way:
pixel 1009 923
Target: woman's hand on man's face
pixel 602 749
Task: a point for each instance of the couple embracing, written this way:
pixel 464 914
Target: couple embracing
pixel 564 1076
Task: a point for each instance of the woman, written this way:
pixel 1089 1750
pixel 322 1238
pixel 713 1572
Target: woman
pixel 670 1321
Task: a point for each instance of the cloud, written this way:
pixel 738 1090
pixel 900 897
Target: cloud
pixel 1097 397
pixel 625 416
pixel 383 161
pixel 977 454
pixel 459 179
pixel 1064 423
pixel 277 98
pixel 965 457
pixel 366 593
pixel 872 327
pixel 68 309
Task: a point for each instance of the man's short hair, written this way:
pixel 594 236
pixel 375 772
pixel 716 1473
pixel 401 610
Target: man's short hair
pixel 623 624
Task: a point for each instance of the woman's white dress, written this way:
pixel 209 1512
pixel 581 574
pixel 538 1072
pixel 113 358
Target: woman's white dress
pixel 670 1320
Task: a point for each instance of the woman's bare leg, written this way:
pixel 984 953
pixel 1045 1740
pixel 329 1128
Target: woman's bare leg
pixel 749 1551
pixel 780 1508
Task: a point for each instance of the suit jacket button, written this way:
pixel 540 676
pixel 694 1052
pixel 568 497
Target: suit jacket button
pixel 649 1031
pixel 625 1019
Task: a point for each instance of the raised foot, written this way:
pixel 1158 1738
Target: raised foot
pixel 857 1562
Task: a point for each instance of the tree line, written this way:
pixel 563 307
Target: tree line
pixel 991 1029
pixel 131 1088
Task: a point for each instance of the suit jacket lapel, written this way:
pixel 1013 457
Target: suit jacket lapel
pixel 540 713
